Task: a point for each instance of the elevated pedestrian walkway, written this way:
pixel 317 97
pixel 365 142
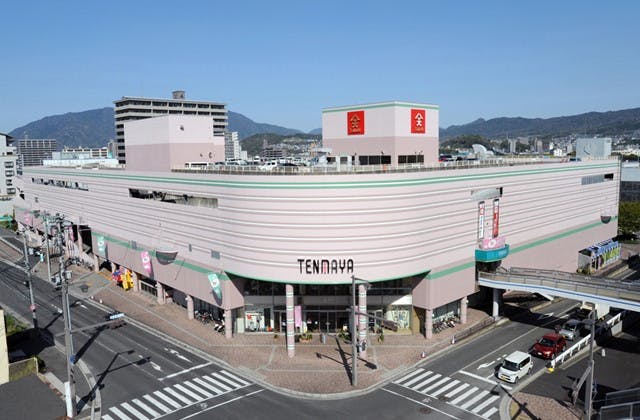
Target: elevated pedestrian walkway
pixel 617 293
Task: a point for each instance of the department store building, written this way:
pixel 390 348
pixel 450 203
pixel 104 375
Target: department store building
pixel 276 251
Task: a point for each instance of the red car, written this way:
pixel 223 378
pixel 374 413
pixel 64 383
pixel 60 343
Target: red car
pixel 549 346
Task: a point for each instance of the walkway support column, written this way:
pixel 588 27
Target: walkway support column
pixel 136 281
pixel 160 290
pixel 80 244
pixel 228 324
pixel 96 263
pixel 189 300
pixel 428 323
pixel 363 321
pixel 463 310
pixel 291 345
pixel 495 312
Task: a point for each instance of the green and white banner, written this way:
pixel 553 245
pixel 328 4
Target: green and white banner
pixel 214 280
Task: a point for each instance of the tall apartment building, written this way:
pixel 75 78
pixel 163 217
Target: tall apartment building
pixel 8 158
pixel 32 152
pixel 131 108
pixel 231 145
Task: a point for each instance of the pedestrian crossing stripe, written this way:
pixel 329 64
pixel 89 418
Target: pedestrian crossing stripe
pixel 173 398
pixel 472 399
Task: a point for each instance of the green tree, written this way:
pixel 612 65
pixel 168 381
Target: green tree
pixel 629 218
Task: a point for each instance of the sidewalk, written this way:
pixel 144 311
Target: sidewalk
pixel 319 369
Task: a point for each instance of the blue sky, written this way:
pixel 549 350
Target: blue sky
pixel 281 62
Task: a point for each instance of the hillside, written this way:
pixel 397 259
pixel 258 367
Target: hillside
pixel 246 127
pixel 93 128
pixel 591 123
pixel 254 144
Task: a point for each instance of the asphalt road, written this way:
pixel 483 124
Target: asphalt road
pixel 142 376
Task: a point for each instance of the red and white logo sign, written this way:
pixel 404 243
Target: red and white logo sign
pixel 418 121
pixel 146 262
pixel 496 217
pixel 355 123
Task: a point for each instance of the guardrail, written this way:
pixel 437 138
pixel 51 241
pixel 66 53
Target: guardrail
pixel 583 342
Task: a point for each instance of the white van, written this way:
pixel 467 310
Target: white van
pixel 515 366
pixel 268 166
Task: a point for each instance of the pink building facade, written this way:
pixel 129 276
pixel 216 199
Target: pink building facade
pixel 277 252
pixel 235 242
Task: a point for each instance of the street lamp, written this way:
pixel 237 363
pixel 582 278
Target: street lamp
pixel 354 349
pixel 589 389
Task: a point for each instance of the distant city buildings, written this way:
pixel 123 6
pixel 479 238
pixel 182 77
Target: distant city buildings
pixel 596 147
pixel 232 148
pixel 8 159
pixel 131 108
pixel 32 152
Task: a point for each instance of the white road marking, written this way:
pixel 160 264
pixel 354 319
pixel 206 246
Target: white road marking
pixel 440 382
pixel 207 385
pixel 82 306
pixel 474 400
pixel 198 389
pixel 485 365
pixel 463 396
pixel 485 403
pixel 404 378
pixel 478 377
pixel 177 354
pixel 445 388
pixel 235 378
pixel 185 371
pixel 166 399
pixel 107 417
pixel 420 403
pixel 489 412
pixel 223 403
pixel 139 415
pixel 155 366
pixel 177 396
pixel 145 407
pixel 222 384
pixel 458 389
pixel 417 378
pixel 119 413
pixel 542 316
pixel 157 403
pixel 189 393
pixel 423 383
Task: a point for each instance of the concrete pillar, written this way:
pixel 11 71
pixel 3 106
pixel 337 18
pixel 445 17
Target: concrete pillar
pixel 428 323
pixel 363 322
pixel 463 310
pixel 160 290
pixel 189 300
pixel 228 324
pixel 80 245
pixel 495 311
pixel 291 341
pixel 96 263
pixel 136 281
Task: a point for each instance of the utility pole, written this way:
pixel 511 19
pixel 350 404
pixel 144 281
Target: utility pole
pixel 32 307
pixel 70 388
pixel 354 350
pixel 46 242
pixel 589 388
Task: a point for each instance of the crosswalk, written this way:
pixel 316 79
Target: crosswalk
pixel 481 402
pixel 172 398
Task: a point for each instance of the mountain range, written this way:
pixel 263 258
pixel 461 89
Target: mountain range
pixel 94 128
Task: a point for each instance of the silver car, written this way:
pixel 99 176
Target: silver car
pixel 571 329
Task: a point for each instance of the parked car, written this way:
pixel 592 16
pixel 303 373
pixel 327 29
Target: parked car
pixel 515 366
pixel 571 330
pixel 549 346
pixel 268 166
